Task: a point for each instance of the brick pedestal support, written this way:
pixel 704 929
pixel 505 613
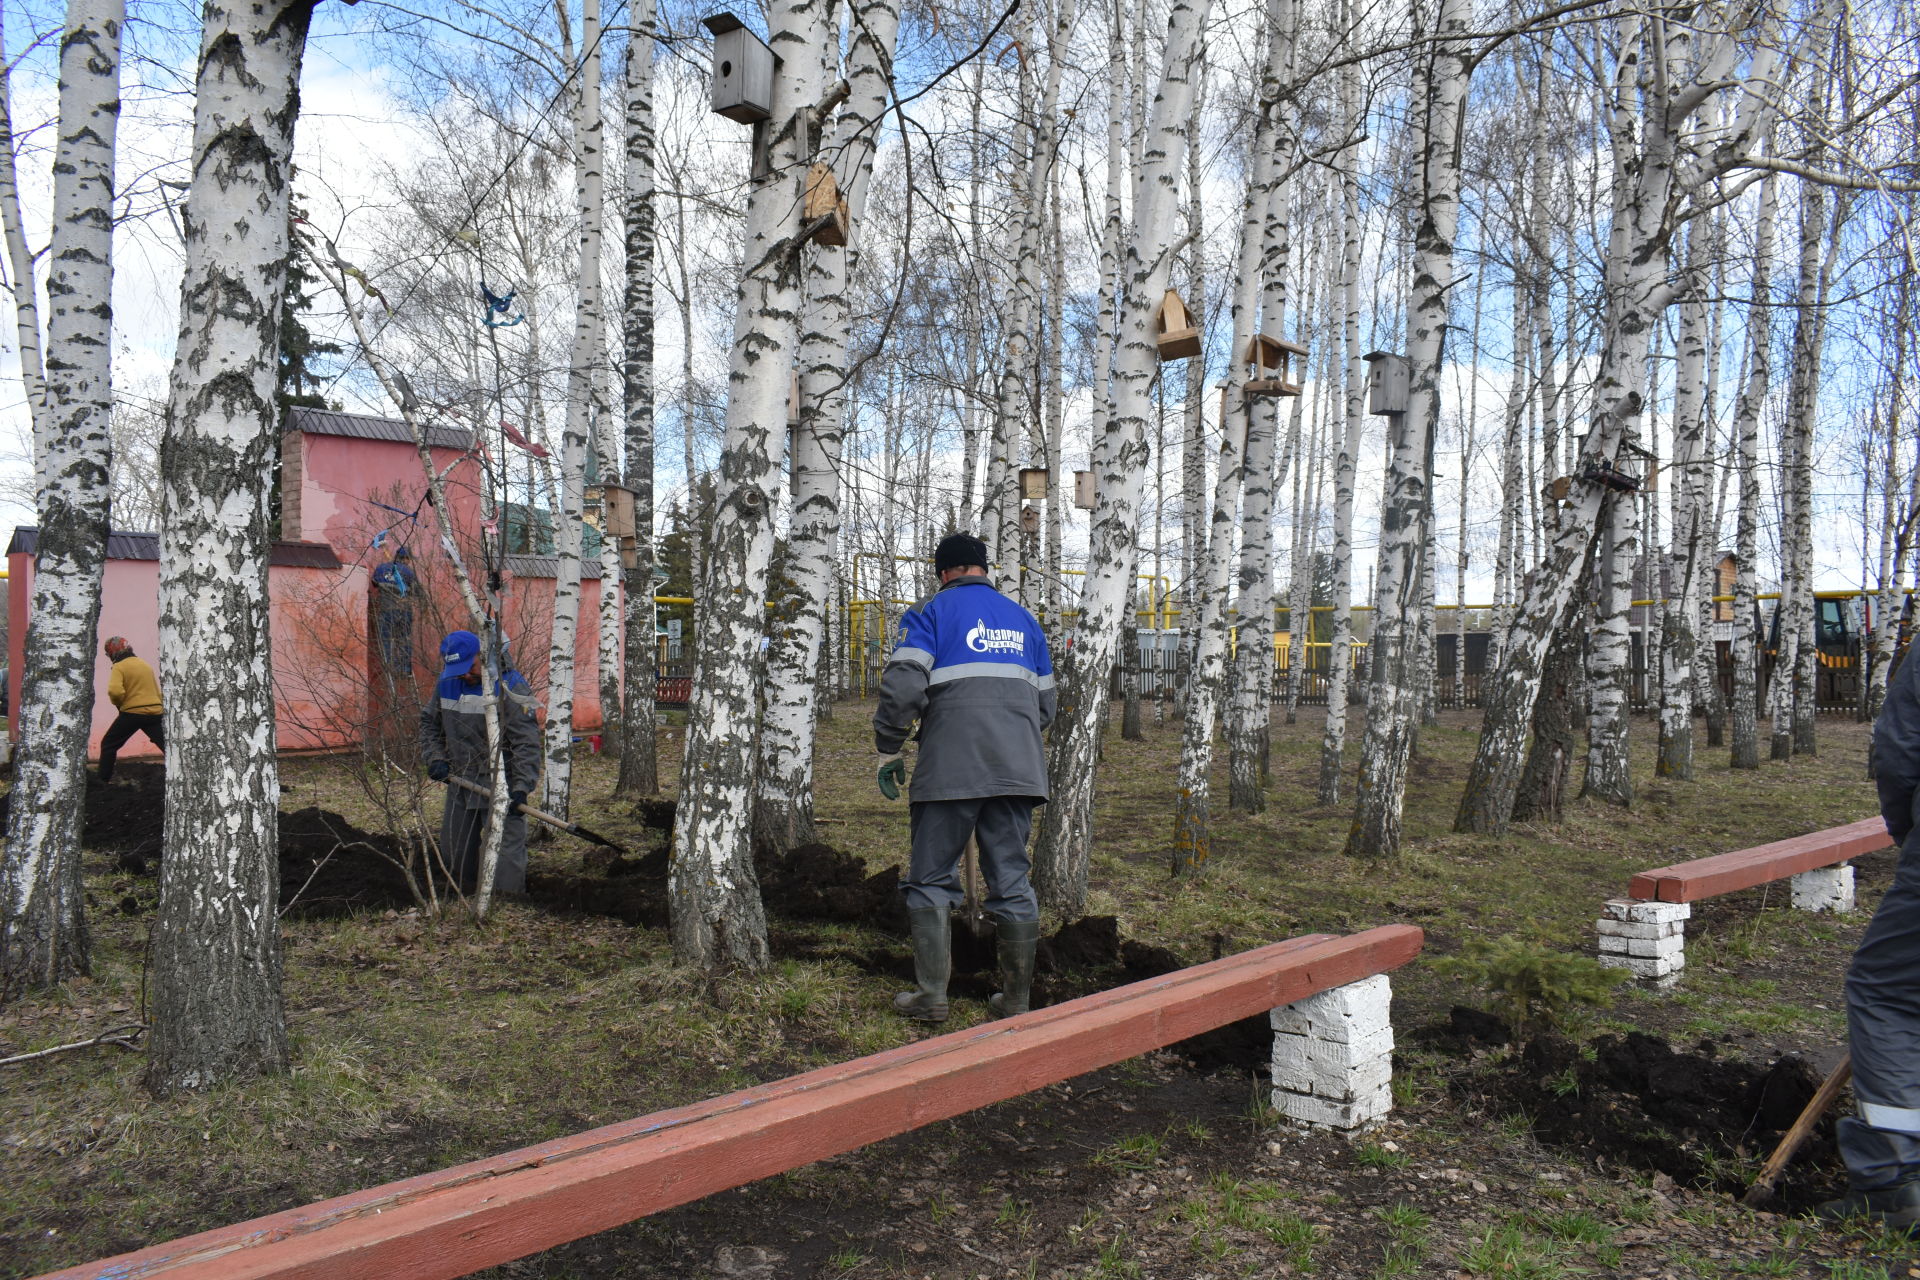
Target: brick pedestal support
pixel 1647 938
pixel 1333 1057
pixel 1825 889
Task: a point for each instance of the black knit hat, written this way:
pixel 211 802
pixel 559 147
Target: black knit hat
pixel 957 549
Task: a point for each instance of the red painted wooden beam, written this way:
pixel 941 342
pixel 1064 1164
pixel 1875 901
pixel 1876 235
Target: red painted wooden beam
pixel 1745 868
pixel 477 1215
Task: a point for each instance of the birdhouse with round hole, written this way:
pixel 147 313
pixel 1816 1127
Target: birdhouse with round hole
pixel 742 86
pixel 1085 495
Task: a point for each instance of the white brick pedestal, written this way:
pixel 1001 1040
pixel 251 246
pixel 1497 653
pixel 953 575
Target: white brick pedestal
pixel 1825 889
pixel 1333 1056
pixel 1648 938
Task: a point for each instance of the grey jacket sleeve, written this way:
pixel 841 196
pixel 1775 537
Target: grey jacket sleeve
pixel 520 736
pixel 433 738
pixel 1896 750
pixel 903 697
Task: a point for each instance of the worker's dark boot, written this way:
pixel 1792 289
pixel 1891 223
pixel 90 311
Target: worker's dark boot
pixel 1018 941
pixel 1897 1207
pixel 932 964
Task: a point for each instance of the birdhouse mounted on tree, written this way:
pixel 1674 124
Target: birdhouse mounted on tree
pixel 1389 382
pixel 1033 484
pixel 1179 337
pixel 742 70
pixel 793 400
pixel 1030 520
pixel 617 514
pixel 825 211
pixel 1085 495
pixel 1266 361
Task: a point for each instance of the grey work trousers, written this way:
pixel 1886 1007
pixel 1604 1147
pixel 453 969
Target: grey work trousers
pixel 464 830
pixel 1882 1145
pixel 999 825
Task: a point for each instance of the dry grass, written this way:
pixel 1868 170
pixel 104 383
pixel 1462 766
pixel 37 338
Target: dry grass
pixel 420 1042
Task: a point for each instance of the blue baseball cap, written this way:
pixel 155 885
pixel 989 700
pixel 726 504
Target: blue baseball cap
pixel 458 651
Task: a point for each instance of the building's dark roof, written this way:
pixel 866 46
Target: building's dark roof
pixel 548 566
pixel 146 546
pixel 361 426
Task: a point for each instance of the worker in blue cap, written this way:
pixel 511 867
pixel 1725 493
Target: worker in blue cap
pixel 453 741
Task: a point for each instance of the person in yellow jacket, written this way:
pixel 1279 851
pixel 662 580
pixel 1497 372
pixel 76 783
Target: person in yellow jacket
pixel 134 690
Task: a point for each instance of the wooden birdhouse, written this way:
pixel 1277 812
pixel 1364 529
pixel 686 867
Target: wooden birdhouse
pixel 1033 484
pixel 793 400
pixel 1085 495
pixel 1266 361
pixel 825 211
pixel 1389 382
pixel 617 513
pixel 1561 486
pixel 1178 337
pixel 742 87
pixel 1030 520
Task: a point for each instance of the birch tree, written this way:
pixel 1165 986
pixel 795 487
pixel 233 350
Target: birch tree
pixel 1340 641
pixel 1063 850
pixel 718 920
pixel 1440 94
pixel 639 753
pixel 587 355
pixel 215 967
pixel 784 797
pixel 43 933
pixel 1745 748
pixel 1652 184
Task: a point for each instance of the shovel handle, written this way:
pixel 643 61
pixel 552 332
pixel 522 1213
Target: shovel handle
pixel 455 780
pixel 1796 1137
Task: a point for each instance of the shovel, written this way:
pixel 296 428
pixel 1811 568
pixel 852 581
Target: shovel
pixel 571 828
pixel 1823 1098
pixel 973 911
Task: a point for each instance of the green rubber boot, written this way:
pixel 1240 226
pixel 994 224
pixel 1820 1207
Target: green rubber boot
pixel 1018 941
pixel 932 965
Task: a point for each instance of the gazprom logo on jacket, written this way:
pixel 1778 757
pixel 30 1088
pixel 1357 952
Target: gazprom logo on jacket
pixel 986 639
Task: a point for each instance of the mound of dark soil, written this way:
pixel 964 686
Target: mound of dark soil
pixel 124 817
pixel 1635 1101
pixel 329 867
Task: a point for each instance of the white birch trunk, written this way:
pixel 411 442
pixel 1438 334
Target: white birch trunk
pixel 1745 747
pixel 1679 612
pixel 215 966
pixel 589 192
pixel 43 931
pixel 639 752
pixel 20 271
pixel 1062 853
pixel 784 797
pixel 1392 689
pixel 718 920
pixel 1340 646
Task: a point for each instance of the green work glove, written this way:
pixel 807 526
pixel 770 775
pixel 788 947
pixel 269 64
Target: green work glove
pixel 892 776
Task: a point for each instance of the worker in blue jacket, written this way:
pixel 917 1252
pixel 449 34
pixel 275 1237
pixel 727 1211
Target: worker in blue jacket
pixel 971 666
pixel 1882 1144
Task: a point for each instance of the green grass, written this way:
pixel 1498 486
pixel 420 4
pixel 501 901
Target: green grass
pixel 420 1043
pixel 1371 1155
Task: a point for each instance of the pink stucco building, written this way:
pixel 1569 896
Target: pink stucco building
pixel 348 481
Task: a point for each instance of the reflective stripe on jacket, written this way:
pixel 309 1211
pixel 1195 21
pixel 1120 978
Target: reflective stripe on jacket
pixel 453 727
pixel 972 667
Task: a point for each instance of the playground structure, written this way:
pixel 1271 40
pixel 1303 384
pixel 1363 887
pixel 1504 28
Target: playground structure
pixel 1326 995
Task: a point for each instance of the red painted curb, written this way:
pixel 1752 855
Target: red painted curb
pixel 459 1220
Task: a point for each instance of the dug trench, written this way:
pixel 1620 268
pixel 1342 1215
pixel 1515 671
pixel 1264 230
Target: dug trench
pixel 1634 1102
pixel 330 868
pixel 1628 1102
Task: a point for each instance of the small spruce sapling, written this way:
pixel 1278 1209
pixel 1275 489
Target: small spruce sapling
pixel 1532 986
